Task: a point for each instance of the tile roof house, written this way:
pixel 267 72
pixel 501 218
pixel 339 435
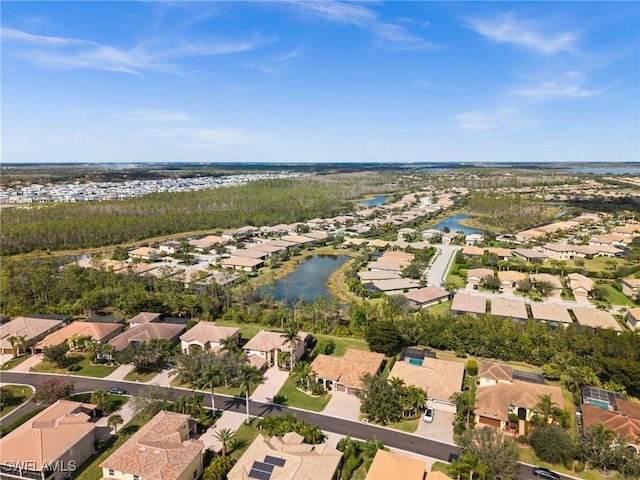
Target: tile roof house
pixel 242 263
pixel 370 276
pixel 286 457
pixel 161 450
pixel 490 373
pixel 501 253
pixel 472 251
pixel 529 254
pixel 514 308
pixel 207 336
pixel 633 318
pixel 630 286
pixel 144 317
pixel 390 465
pixel 595 318
pixel 426 297
pixel 439 378
pixel 476 275
pixel 146 332
pixel 626 426
pixel 344 374
pixel 97 332
pixel 398 285
pixel 51 444
pixel 32 329
pixel 464 303
pixel 509 280
pixel 580 285
pixel 550 312
pixel 552 279
pixel 267 345
pixel 494 403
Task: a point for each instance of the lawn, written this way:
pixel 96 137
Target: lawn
pixel 527 455
pixel 117 401
pixel 614 297
pixel 244 436
pixel 456 280
pixel 91 470
pixel 11 427
pixel 248 330
pixel 440 309
pixel 135 376
pixel 233 391
pixel 14 362
pixel 409 426
pixel 80 359
pixel 19 393
pixel 290 396
pixel 342 344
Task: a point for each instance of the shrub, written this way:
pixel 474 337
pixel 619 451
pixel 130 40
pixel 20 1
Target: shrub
pixel 579 467
pixel 472 368
pixel 551 443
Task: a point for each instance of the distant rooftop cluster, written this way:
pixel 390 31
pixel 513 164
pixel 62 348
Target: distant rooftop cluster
pixel 99 191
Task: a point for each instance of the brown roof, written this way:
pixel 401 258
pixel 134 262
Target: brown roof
pixel 433 475
pixel 393 466
pixel 628 409
pixel 301 460
pixel 493 401
pixel 145 317
pixel 595 318
pixel 378 243
pixel 297 239
pixel 473 250
pixel 426 294
pixel 265 341
pixel 464 302
pixel 399 258
pixel 479 272
pixel 316 235
pixel 394 267
pixel 49 435
pixel 511 276
pixel 576 280
pixel 160 450
pixel 250 253
pixel 369 276
pixel 146 332
pixel 508 307
pixel 439 378
pixel 29 327
pixel 349 369
pixel 500 252
pixel 495 371
pixel 624 427
pixel 546 277
pixel 204 332
pixel 550 312
pixel 241 262
pixel 95 332
pixel 266 247
pixel 395 284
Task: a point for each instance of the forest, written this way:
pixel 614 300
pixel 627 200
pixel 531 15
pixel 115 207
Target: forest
pixel 508 212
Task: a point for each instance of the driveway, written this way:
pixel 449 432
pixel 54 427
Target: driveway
pixel 274 378
pixel 103 431
pixel 440 429
pixel 343 405
pixel 229 420
pixel 5 357
pixel 163 378
pixel 27 364
pixel 119 373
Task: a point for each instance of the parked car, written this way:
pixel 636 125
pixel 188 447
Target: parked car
pixel 117 391
pixel 168 366
pixel 428 415
pixel 545 473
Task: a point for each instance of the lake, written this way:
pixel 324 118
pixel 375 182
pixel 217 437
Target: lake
pixel 308 280
pixel 375 201
pixel 605 170
pixel 454 225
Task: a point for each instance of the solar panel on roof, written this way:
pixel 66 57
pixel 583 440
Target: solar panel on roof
pixel 260 475
pixel 278 462
pixel 264 467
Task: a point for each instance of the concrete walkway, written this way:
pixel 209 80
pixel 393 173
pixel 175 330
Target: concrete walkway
pixel 103 431
pixel 27 364
pixel 119 373
pixel 229 420
pixel 274 378
pixel 163 378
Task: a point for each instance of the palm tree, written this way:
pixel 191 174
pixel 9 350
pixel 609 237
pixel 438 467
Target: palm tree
pixel 181 404
pixel 195 404
pixel 212 378
pixel 13 340
pixel 291 337
pixel 302 371
pixel 229 344
pixel 114 420
pixel 545 405
pixel 467 465
pixel 99 398
pixel 223 436
pixel 248 376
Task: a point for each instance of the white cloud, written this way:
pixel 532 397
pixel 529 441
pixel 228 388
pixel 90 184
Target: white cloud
pixel 155 116
pixel 551 90
pixel 508 29
pixel 61 53
pixel 504 120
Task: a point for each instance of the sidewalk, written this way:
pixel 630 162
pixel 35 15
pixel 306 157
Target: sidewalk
pixel 119 373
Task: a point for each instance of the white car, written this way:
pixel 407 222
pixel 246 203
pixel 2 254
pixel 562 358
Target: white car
pixel 428 415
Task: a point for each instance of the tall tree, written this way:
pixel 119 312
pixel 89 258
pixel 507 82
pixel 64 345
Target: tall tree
pixel 292 338
pixel 224 436
pixel 114 420
pixel 248 377
pixel 212 378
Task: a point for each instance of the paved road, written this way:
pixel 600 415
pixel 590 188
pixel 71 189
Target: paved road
pixel 436 276
pixel 392 438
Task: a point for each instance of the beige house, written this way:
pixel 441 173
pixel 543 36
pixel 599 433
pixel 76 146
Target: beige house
pixel 144 317
pixel 509 280
pixel 286 457
pixel 393 466
pixel 501 253
pixel 161 450
pixel 394 286
pixel 370 276
pixel 559 251
pixel 96 332
pixel 551 313
pixel 267 345
pixel 581 286
pixel 50 445
pixel 146 332
pixel 146 253
pixel 344 374
pixel 514 308
pixel 207 336
pixel 476 275
pixel 439 378
pixel 208 242
pixel 490 373
pixel 595 318
pixel 630 286
pixel 465 303
pixel 472 251
pixel 242 263
pixel 552 279
pixel 426 297
pixel 32 329
pixel 633 318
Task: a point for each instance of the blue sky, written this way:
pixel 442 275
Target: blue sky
pixel 285 81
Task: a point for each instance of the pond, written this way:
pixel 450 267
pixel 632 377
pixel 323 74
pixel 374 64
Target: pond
pixel 454 225
pixel 611 170
pixel 375 201
pixel 308 280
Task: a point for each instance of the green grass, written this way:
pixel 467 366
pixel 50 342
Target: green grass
pixel 441 308
pixel 290 396
pixel 456 280
pixel 12 426
pixel 91 470
pixel 528 455
pixel 20 394
pixel 440 467
pixel 176 382
pixel 248 330
pixel 135 376
pixel 245 435
pixel 117 401
pixel 614 297
pixel 342 344
pixel 596 264
pixel 409 426
pixel 87 369
pixel 14 362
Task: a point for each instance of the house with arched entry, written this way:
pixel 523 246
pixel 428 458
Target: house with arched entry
pixel 344 374
pixel 207 336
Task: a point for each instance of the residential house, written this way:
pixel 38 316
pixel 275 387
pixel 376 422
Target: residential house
pixel 494 403
pixel 509 280
pixel 146 253
pixel 286 457
pixel 170 247
pixel 370 276
pixel 146 332
pixel 529 254
pixel 551 279
pixel 207 336
pixel 406 233
pixel 552 313
pixel 624 422
pixel 384 266
pixel 476 275
pixel 426 297
pixel 472 251
pixel 316 236
pixel 473 238
pixel 490 373
pixel 267 345
pixel 464 303
pixel 393 466
pixel 207 243
pixel 630 286
pixel 559 251
pixel 353 242
pixel 595 318
pixel 242 263
pixel 514 308
pixel 251 253
pixel 581 286
pixel 627 230
pixel 96 332
pixel 395 286
pixel 378 244
pixel 344 374
pixel 144 317
pixel 51 445
pixel 440 379
pixel 633 318
pixel 163 449
pixel 298 239
pixel 501 253
pixel 30 329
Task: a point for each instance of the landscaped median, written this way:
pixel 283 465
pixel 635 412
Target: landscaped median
pixel 13 396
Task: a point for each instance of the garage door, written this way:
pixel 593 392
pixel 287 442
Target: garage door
pixel 490 422
pixel 340 388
